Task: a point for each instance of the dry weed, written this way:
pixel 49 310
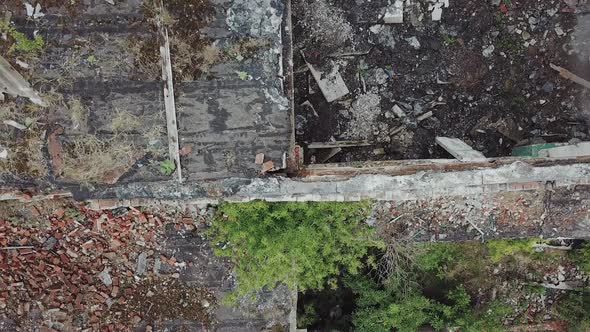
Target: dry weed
pixel 89 160
pixel 24 158
pixel 124 122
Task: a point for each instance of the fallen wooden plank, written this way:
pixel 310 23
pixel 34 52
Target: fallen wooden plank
pixel 570 76
pixel 339 144
pixel 459 149
pixel 12 83
pixel 424 116
pixel 170 106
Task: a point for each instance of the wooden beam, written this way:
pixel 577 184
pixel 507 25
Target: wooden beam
pixel 339 144
pixel 170 106
pixel 570 76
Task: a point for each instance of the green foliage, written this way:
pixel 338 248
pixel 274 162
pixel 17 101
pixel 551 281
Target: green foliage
pixel 581 257
pixel 242 75
pixel 450 40
pixel 304 244
pixel 434 258
pixel 72 213
pixel 498 249
pixel 308 317
pixel 167 167
pixel 575 309
pixel 382 310
pixel 21 42
pixel 509 43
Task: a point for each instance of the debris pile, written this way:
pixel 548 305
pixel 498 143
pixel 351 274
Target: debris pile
pixel 455 68
pixel 79 269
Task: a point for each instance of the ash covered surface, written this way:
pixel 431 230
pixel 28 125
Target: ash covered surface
pixel 482 70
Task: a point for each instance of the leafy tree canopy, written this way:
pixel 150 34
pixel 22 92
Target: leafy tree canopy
pixel 305 244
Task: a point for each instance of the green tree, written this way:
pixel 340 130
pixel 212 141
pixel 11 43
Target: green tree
pixel 304 244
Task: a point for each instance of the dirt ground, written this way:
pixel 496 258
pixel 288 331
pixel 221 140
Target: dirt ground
pixel 482 70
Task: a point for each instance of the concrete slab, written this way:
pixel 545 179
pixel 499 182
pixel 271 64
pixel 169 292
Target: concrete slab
pixel 459 149
pixel 331 84
pixel 568 151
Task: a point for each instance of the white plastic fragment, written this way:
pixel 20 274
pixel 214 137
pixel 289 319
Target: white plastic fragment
pixel 34 12
pixel 3 153
pixel 487 52
pixel 437 13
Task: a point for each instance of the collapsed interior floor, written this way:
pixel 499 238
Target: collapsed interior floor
pixel 481 74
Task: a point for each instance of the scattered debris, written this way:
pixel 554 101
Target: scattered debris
pixel 3 153
pixel 398 112
pixel 105 277
pixel 379 151
pixel 308 104
pixel 141 264
pixel 424 116
pixel 14 124
pixel 267 167
pixel 185 150
pixel 414 42
pixel 460 149
pixel 487 52
pixel 259 159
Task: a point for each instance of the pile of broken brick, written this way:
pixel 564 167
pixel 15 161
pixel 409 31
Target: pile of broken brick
pixel 78 268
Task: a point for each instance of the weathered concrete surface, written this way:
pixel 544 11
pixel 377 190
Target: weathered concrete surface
pixel 518 176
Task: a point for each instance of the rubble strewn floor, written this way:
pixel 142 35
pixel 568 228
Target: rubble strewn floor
pixel 481 73
pixel 68 268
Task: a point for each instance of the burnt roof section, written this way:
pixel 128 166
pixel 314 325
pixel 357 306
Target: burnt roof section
pixel 100 71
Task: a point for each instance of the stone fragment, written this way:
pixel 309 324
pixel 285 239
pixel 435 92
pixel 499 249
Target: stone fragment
pixel 414 42
pixel 105 276
pixel 141 264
